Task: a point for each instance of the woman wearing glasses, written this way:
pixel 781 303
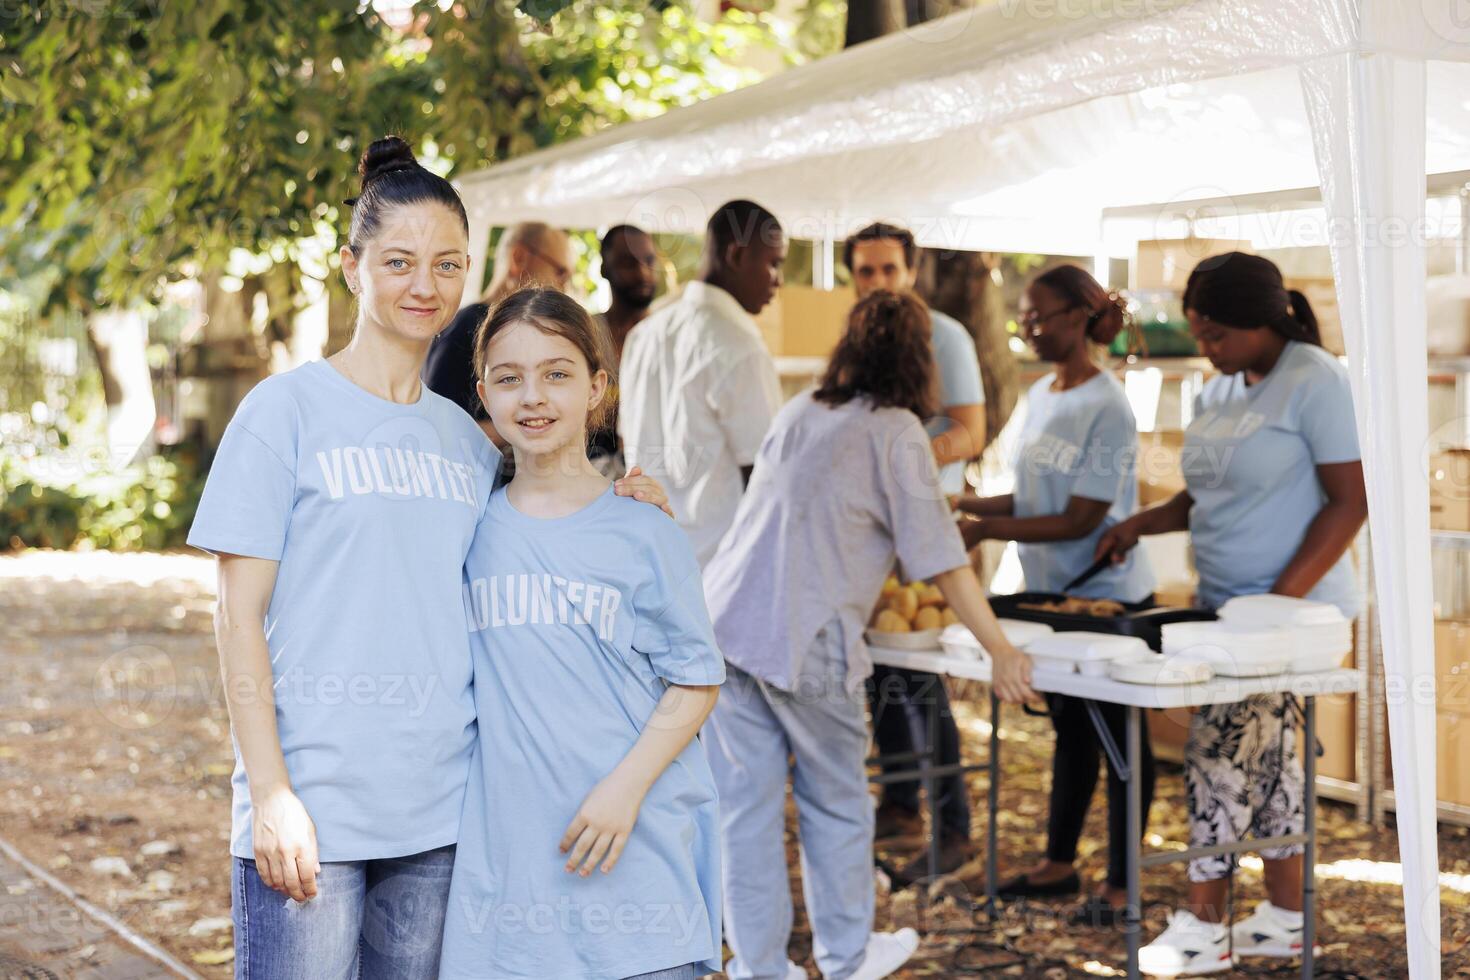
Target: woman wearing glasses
pixel 1075 478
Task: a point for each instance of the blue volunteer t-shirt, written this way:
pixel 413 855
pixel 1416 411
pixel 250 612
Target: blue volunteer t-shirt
pixel 1082 442
pixel 958 368
pixel 369 506
pixel 1249 461
pixel 578 625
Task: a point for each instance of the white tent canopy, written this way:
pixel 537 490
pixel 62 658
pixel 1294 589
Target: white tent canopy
pixel 1019 125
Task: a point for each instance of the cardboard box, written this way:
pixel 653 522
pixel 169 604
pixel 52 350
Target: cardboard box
pixel 1167 263
pixel 1159 473
pixel 1168 732
pixel 1337 726
pixel 1181 594
pixel 1453 732
pixel 1322 295
pixel 803 321
pixel 1449 490
pixel 1452 666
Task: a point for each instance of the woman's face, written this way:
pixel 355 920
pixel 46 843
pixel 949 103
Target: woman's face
pixel 1052 326
pixel 1230 349
pixel 539 390
pixel 411 274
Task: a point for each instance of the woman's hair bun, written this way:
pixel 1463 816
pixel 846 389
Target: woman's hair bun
pixel 385 156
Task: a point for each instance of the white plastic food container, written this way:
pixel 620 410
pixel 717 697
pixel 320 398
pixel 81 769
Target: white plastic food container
pixel 957 641
pixel 1279 610
pixel 1082 652
pixel 1157 670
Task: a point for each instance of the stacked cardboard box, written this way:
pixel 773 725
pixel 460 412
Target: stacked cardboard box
pixel 1159 473
pixel 1449 490
pixel 1452 703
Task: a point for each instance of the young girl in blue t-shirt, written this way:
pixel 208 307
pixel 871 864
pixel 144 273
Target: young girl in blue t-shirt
pixel 588 845
pixel 340 505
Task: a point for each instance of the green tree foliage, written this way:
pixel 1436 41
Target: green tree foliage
pixel 145 139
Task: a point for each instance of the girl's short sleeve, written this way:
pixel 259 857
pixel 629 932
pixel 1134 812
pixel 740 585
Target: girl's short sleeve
pixel 673 626
pixel 251 487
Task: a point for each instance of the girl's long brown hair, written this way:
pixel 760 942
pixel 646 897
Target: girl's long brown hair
pixel 886 354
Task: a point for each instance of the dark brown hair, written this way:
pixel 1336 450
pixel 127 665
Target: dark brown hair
pixel 1075 286
pixel 391 177
pixel 553 312
pixel 881 232
pixel 1245 292
pixel 886 354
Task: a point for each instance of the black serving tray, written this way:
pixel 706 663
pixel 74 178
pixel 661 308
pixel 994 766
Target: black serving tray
pixel 1142 619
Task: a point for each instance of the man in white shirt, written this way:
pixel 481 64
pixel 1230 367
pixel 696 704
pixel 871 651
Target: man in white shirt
pixel 698 387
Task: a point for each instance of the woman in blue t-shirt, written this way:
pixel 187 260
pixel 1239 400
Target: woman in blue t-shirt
pixel 1076 477
pixel 341 504
pixel 589 845
pixel 1273 499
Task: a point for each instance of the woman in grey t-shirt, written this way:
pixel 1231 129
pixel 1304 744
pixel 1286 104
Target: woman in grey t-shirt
pixel 844 484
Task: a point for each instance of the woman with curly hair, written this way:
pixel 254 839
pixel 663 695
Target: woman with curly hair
pixel 844 483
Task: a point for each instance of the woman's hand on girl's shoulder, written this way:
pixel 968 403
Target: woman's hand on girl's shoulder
pixel 285 844
pixel 640 486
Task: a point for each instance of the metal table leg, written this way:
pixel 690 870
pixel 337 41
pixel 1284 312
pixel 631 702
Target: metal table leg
pixel 993 803
pixel 927 780
pixel 1309 856
pixel 1133 914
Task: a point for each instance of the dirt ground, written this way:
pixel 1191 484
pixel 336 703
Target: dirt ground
pixel 115 763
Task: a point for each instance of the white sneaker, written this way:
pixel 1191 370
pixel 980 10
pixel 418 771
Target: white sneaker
pixel 886 952
pixel 1188 947
pixel 1264 933
pixel 794 972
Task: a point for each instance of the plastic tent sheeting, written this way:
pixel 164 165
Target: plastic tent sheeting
pixel 988 129
pixel 1016 126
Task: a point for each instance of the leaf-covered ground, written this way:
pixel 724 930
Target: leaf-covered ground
pixel 114 775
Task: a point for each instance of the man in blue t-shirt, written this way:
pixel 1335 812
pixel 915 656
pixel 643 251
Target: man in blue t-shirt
pixel 882 256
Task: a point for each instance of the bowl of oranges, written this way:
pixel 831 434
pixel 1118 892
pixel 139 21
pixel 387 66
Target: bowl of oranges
pixel 909 616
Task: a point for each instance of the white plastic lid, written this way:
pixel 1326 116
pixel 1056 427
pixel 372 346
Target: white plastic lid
pixel 1279 610
pixel 959 634
pixel 1086 646
pixel 1021 632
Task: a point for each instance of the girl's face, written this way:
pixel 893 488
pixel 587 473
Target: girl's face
pixel 1230 349
pixel 411 275
pixel 539 390
pixel 1049 324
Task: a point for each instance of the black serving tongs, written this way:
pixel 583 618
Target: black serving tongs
pixel 1092 570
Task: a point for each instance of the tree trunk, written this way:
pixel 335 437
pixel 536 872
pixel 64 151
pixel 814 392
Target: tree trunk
pixel 962 284
pixel 867 19
pixel 232 358
pixel 119 341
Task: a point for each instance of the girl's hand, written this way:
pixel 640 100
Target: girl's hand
pixel 1118 540
pixel 285 844
pixel 600 830
pixel 1012 677
pixel 645 488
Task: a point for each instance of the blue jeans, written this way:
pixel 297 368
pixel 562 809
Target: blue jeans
pixel 685 972
pixel 370 920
